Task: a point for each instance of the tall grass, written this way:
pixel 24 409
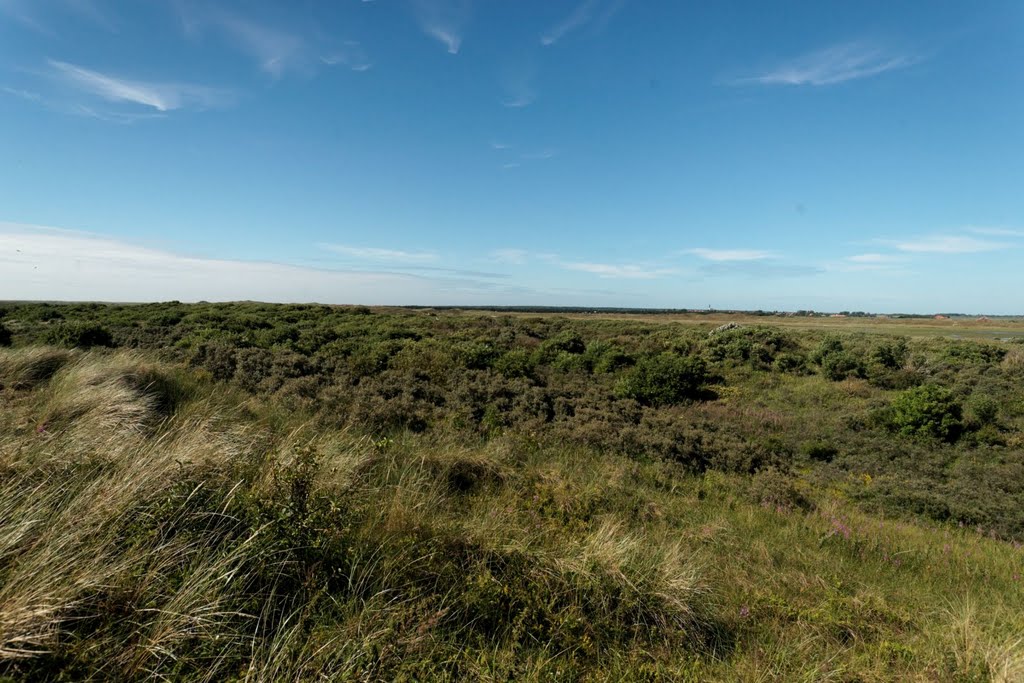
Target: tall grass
pixel 157 526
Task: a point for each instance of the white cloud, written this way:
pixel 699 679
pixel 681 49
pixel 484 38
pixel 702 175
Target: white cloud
pixel 351 55
pixel 598 12
pixel 628 271
pixel 873 258
pixel 836 64
pixel 160 96
pixel 730 254
pixel 945 244
pixel 443 20
pixel 39 263
pixel 379 254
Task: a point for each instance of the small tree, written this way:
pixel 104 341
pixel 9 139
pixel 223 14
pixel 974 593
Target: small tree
pixel 928 410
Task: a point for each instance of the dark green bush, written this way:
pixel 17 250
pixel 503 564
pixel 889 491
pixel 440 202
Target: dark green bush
pixel 5 335
pixel 758 346
pixel 839 365
pixel 973 352
pixel 664 380
pixel 828 346
pixel 820 451
pixel 81 335
pixel 516 363
pixel 791 362
pixel 928 410
pixel 478 355
pixel 890 355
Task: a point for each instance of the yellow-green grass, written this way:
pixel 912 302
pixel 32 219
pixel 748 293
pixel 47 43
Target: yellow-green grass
pixel 157 525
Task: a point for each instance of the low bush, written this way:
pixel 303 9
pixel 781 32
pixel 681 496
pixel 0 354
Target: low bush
pixel 928 410
pixel 663 380
pixel 80 335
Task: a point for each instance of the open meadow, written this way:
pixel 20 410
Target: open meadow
pixel 255 492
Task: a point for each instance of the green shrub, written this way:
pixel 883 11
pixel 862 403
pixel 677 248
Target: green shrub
pixel 928 410
pixel 836 362
pixel 603 357
pixel 664 380
pixel 840 365
pixel 890 355
pixel 961 352
pixel 516 363
pixel 984 409
pixel 80 335
pixel 758 346
pixel 477 355
pixel 5 335
pixel 791 362
pixel 829 345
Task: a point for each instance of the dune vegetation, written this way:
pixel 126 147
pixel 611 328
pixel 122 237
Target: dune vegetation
pixel 247 492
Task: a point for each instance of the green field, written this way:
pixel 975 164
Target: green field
pixel 260 492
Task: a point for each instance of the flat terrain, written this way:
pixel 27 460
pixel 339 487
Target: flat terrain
pixel 966 327
pixel 261 493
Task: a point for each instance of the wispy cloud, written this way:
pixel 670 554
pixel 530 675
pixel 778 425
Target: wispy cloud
pixel 89 10
pixel 162 97
pixel 500 145
pixel 276 51
pixel 23 94
pixel 998 232
pixel 836 64
pixel 49 264
pixel 724 255
pixel 443 20
pixel 380 254
pixel 598 12
pixel 277 48
pixel 510 256
pixel 945 244
pixel 759 270
pixel 626 271
pixel 518 83
pixel 874 258
pixel 22 12
pixel 519 101
pixel 874 262
pixel 351 54
pixel 539 155
pixel 79 109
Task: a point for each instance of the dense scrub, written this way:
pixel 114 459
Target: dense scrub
pixel 254 492
pixel 909 426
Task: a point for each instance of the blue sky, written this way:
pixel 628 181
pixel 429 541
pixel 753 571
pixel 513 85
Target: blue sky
pixel 790 155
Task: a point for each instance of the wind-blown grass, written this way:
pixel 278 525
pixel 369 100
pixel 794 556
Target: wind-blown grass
pixel 159 525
